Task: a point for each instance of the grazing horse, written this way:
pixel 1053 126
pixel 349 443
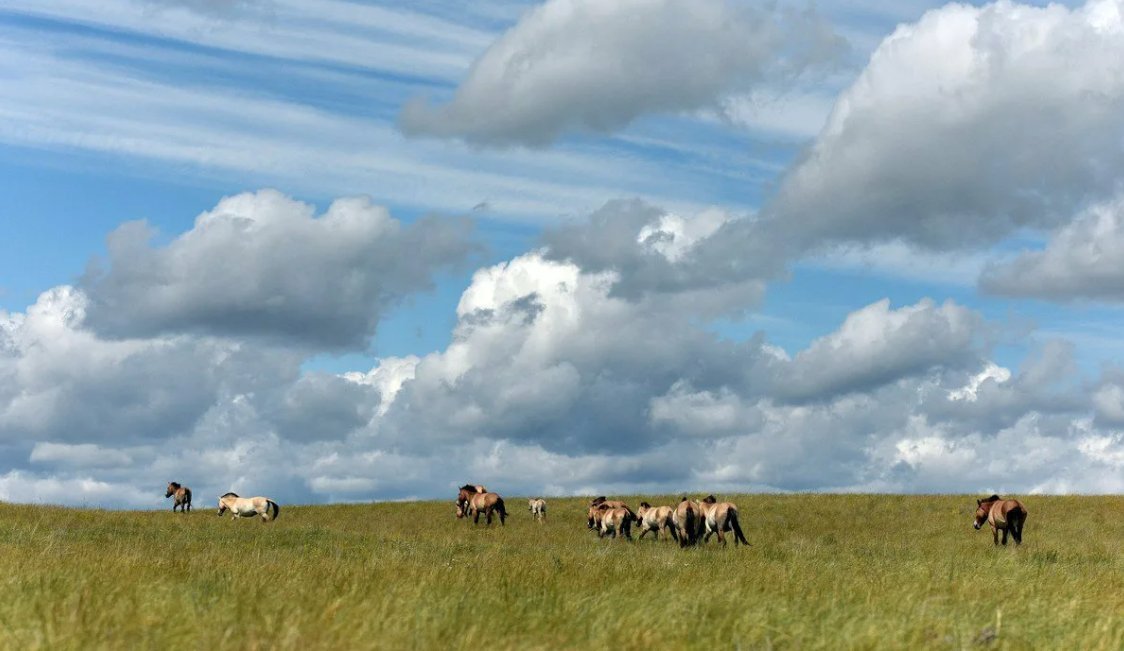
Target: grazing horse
pixel 182 496
pixel 615 521
pixel 471 502
pixel 248 507
pixel 537 507
pixel 720 517
pixel 688 520
pixel 594 519
pixel 655 519
pixel 1008 515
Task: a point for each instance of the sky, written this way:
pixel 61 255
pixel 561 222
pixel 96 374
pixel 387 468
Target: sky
pixel 347 251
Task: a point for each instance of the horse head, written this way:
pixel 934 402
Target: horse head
pixel 222 502
pixel 983 507
pixel 172 488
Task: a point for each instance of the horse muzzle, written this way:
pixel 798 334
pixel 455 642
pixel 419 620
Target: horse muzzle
pixel 977 525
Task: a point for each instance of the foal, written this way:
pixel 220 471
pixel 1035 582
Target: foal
pixel 537 506
pixel 182 497
pixel 1008 515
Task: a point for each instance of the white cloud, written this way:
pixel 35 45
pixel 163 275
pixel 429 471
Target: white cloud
pixel 965 126
pixel 83 455
pixel 263 264
pixel 1080 261
pixel 876 345
pixel 992 372
pixel 589 65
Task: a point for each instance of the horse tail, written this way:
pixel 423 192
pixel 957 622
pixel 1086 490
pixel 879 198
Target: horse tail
pixel 738 535
pixel 501 508
pixel 276 509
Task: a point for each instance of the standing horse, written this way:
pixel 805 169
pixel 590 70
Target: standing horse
pixel 537 507
pixel 593 521
pixel 471 502
pixel 182 497
pixel 615 521
pixel 655 519
pixel 720 517
pixel 1008 515
pixel 688 520
pixel 248 507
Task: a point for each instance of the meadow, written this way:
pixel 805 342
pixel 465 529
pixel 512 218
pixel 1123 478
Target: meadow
pixel 823 572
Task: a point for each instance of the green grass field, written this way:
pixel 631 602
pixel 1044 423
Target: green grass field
pixel 824 571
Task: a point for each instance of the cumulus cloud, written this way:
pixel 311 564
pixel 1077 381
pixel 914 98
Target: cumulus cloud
pixel 653 252
pixel 876 345
pixel 63 383
pixel 596 66
pixel 262 264
pixel 964 126
pixel 1081 261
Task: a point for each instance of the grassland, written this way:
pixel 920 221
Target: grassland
pixel 824 571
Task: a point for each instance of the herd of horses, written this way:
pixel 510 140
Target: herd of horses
pixel 693 521
pixel 688 523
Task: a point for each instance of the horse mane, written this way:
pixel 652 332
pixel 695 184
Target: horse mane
pixel 683 499
pixel 710 499
pixel 231 495
pixel 993 498
pixel 646 505
pixel 174 484
pixel 597 500
pixel 471 488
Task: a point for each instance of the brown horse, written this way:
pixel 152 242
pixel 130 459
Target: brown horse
pixel 1001 514
pixel 688 520
pixel 593 521
pixel 474 500
pixel 720 517
pixel 655 519
pixel 466 493
pixel 182 496
pixel 615 521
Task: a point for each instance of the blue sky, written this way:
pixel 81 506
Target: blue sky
pixel 799 168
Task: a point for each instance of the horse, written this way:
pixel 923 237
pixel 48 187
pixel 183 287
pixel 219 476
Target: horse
pixel 655 519
pixel 688 521
pixel 615 521
pixel 248 507
pixel 466 492
pixel 1008 515
pixel 537 507
pixel 470 502
pixel 594 519
pixel 182 497
pixel 719 517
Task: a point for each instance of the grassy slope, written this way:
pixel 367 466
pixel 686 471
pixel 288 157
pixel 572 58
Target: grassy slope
pixel 825 571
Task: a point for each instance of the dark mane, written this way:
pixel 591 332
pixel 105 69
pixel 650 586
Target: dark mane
pixel 597 500
pixel 993 498
pixel 231 495
pixel 646 505
pixel 469 487
pixel 683 499
pixel 174 484
pixel 710 499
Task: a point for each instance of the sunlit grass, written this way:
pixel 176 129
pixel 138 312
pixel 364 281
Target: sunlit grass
pixel 824 571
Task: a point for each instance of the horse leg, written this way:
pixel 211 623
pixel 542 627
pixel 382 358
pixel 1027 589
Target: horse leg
pixel 995 534
pixel 1005 530
pixel 721 538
